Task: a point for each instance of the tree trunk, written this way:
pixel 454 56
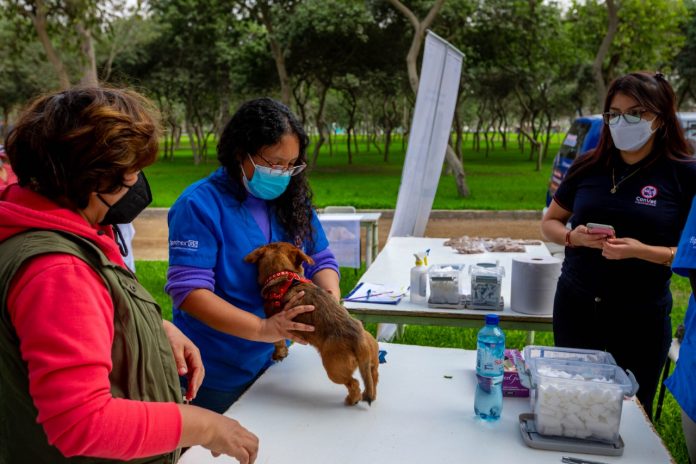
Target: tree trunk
pixel 458 172
pixel 458 135
pixel 485 138
pixel 301 96
pixel 319 118
pixel 549 124
pixel 192 141
pixel 89 68
pixel 612 27
pixel 419 30
pixel 387 142
pixel 278 54
pixel 40 24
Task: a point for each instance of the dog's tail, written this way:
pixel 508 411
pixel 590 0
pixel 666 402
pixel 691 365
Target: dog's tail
pixel 368 363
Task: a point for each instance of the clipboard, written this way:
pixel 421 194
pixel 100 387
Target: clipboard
pixel 376 293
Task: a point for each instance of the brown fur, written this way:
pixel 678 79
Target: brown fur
pixel 341 340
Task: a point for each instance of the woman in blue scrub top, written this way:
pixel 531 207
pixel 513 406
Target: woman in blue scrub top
pixel 682 382
pixel 613 293
pixel 259 195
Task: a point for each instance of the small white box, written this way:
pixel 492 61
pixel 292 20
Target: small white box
pixel 486 285
pixel 446 283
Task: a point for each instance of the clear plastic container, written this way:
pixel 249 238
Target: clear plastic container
pixel 446 283
pixel 578 399
pixel 486 285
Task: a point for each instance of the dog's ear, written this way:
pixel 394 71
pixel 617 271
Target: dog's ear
pixel 301 257
pixel 254 256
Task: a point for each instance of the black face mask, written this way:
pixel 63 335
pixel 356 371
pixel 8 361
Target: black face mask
pixel 129 205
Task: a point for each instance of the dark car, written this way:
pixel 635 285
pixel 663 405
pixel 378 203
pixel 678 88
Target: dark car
pixel 582 136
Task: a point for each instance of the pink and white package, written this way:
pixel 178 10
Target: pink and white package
pixel 511 379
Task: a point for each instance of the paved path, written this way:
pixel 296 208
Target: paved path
pixel 150 242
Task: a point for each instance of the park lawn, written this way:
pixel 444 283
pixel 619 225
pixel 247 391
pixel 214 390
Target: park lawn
pixel 152 274
pixel 503 180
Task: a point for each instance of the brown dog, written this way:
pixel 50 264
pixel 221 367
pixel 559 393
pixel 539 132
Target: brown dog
pixel 341 340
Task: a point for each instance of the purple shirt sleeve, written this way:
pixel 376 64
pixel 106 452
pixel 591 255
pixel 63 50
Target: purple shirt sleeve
pixel 182 280
pixel 325 259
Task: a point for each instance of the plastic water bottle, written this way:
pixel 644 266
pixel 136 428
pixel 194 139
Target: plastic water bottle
pixel 419 279
pixel 488 403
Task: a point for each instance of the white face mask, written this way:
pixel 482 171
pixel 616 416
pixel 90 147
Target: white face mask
pixel 631 137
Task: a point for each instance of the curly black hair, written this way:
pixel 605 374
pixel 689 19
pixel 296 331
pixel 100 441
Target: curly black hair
pixel 260 123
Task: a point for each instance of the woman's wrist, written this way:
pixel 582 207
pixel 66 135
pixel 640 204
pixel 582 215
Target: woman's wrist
pixel 669 260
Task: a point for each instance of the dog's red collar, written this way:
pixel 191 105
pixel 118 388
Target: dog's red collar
pixel 276 296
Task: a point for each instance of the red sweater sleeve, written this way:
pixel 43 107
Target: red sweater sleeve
pixel 63 315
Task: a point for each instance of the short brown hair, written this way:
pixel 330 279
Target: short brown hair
pixel 69 144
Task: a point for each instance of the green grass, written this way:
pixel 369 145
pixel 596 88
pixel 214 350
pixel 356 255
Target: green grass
pixel 152 274
pixel 504 180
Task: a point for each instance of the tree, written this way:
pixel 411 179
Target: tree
pixel 597 64
pixel 327 40
pixel 685 61
pixel 72 25
pixel 649 35
pixel 24 72
pixel 267 14
pixel 419 30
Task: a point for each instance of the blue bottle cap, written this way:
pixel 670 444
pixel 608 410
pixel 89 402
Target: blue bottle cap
pixel 492 319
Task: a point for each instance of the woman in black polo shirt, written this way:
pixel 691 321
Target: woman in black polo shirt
pixel 613 293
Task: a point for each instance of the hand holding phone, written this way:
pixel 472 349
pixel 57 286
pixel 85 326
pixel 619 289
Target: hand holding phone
pixel 604 229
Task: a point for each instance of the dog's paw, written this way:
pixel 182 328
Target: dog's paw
pixel 368 398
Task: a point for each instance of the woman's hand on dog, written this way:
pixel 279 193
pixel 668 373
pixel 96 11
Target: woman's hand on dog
pixel 187 357
pixel 279 326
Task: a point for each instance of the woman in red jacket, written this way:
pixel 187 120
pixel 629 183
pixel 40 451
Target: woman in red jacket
pixel 88 366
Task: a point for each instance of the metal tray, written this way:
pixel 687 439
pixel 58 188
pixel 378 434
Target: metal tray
pixel 572 445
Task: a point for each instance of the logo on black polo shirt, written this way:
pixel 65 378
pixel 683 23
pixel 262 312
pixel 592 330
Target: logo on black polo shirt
pixel 647 196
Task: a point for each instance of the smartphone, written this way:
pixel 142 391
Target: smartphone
pixel 594 228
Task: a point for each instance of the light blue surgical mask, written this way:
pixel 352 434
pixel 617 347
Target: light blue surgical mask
pixel 266 183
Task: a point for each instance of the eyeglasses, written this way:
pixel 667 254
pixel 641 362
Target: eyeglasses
pixel 278 170
pixel 631 117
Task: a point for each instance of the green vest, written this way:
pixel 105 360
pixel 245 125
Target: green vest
pixel 143 365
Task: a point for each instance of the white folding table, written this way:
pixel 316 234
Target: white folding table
pixel 392 267
pixel 423 414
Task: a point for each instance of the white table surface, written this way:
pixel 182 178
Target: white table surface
pixel 393 266
pixel 420 416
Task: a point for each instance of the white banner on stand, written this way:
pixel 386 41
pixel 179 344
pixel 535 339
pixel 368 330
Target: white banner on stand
pixel 430 130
